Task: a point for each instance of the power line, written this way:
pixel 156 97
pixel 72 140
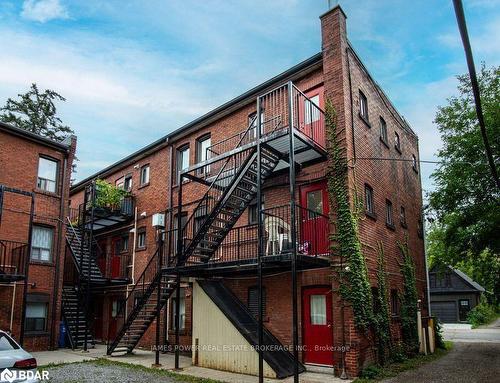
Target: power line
pixel 462 26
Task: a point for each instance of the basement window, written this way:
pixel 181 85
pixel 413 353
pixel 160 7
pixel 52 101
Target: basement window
pixel 36 313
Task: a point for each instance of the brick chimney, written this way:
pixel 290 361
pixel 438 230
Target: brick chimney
pixel 335 70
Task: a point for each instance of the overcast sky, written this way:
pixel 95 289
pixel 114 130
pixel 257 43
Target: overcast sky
pixel 134 70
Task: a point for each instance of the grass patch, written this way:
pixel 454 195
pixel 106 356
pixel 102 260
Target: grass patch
pixel 375 373
pixel 103 362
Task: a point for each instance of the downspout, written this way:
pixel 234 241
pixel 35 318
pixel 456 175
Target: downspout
pixel 134 246
pixel 58 255
pixel 166 321
pixel 352 105
pixel 12 307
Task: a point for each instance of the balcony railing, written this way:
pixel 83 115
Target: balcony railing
pixel 13 259
pixel 241 244
pixel 306 117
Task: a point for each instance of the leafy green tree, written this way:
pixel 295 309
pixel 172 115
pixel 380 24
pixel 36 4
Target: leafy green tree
pixel 465 205
pixel 36 112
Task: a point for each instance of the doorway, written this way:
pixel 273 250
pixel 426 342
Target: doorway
pixel 314 238
pixel 317 326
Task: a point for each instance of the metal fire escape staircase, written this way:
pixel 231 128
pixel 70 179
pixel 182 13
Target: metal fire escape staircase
pixel 74 310
pixel 229 193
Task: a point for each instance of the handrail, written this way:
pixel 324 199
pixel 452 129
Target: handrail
pixel 215 180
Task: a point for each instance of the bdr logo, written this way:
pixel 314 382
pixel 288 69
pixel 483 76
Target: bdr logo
pixel 22 375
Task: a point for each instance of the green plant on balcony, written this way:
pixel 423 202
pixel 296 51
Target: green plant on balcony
pixel 108 196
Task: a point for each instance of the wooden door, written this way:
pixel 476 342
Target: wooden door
pixel 115 257
pixel 317 326
pixel 314 234
pixel 311 120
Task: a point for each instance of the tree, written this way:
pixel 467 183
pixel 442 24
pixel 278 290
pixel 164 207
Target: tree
pixel 466 201
pixel 36 112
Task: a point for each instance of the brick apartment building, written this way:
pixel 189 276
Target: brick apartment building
pixel 34 188
pixel 206 265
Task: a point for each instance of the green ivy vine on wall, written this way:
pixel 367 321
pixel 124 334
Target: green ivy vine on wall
pixel 382 314
pixel 354 283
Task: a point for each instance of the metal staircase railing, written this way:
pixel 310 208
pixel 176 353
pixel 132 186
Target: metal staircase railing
pixel 140 305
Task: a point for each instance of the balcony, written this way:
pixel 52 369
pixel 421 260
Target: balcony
pixel 283 110
pixel 239 250
pixel 103 215
pixel 13 261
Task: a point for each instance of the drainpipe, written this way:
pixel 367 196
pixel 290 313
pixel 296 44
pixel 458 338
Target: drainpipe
pixel 58 255
pixel 134 246
pixel 12 307
pixel 166 321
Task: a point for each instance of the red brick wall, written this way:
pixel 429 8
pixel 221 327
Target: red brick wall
pixel 19 163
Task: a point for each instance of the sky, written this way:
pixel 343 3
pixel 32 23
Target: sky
pixel 135 70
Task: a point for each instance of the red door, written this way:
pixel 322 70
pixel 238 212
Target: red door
pixel 311 120
pixel 317 326
pixel 115 257
pixel 314 228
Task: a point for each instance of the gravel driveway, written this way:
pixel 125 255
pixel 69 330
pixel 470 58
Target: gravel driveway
pixel 465 363
pixel 92 373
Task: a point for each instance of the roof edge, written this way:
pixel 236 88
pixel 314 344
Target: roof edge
pixel 14 130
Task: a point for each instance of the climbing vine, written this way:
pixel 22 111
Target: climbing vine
pixel 354 285
pixel 382 315
pixel 409 299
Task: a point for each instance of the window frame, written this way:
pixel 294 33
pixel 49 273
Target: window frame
pixel 55 181
pixel 140 232
pixel 414 163
pixel 253 205
pixel 402 217
pixel 389 214
pixel 369 192
pixel 199 152
pixel 51 249
pixel 143 167
pixel 178 163
pixel 397 142
pixel 39 299
pixel 363 108
pixel 128 177
pixel 394 301
pixel 384 137
pixel 182 323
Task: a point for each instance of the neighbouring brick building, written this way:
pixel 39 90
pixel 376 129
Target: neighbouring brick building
pixel 33 168
pixel 207 178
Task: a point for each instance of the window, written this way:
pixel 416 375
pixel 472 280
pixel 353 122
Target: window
pixel 383 130
pixel 388 213
pixel 124 243
pixel 47 175
pixel 317 306
pixel 252 134
pixel 141 238
pixel 144 178
pixel 182 159
pixel 402 216
pixel 252 211
pixel 394 302
pixel 127 183
pixel 253 300
pixel 184 218
pixel 119 183
pixel 202 153
pixel 369 205
pixel 397 142
pixel 312 113
pixel 36 313
pixel 314 201
pixel 41 243
pixel 363 106
pixel 116 307
pixel 182 310
pixel 414 162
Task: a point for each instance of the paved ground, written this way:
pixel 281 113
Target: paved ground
pixel 475 357
pixel 94 374
pixel 464 333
